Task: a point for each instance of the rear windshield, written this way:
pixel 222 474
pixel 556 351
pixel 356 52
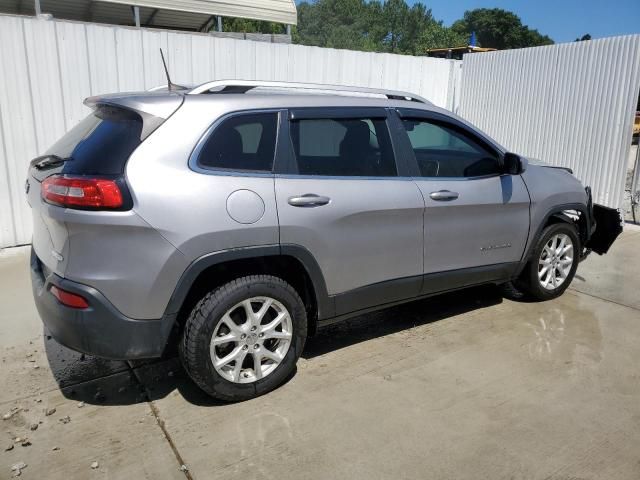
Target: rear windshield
pixel 101 143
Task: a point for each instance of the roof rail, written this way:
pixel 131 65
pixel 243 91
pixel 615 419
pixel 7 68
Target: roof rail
pixel 243 86
pixel 165 88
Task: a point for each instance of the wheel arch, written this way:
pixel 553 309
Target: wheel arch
pixel 558 214
pixel 293 263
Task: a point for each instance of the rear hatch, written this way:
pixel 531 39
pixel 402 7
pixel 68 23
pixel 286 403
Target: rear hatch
pixel 96 149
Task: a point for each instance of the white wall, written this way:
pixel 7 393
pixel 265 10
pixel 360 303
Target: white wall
pixel 570 104
pixel 48 67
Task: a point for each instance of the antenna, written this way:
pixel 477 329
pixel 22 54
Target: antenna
pixel 166 71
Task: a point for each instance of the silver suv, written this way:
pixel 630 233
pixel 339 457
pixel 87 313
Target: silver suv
pixel 235 218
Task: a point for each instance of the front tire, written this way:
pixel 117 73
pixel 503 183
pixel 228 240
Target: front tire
pixel 553 263
pixel 244 338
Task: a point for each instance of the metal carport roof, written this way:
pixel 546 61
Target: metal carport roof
pixel 177 14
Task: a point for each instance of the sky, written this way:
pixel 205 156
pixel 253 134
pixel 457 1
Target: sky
pixel 562 20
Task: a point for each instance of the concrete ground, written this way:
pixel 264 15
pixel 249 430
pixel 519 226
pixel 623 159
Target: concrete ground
pixel 466 385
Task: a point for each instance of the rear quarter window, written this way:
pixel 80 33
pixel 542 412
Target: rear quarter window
pixel 245 142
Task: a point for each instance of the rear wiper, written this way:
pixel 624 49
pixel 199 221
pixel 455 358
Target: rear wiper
pixel 45 161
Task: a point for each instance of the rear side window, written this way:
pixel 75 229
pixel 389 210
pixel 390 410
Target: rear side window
pixel 343 147
pixel 442 150
pixel 244 142
pixel 101 143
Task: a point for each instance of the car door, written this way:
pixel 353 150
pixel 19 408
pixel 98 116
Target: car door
pixel 476 219
pixel 342 196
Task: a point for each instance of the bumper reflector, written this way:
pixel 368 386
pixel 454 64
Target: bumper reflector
pixel 67 298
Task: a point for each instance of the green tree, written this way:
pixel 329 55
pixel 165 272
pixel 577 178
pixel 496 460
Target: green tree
pixel 334 23
pixel 395 16
pixel 583 38
pixel 406 27
pixel 438 36
pixel 390 26
pixel 246 25
pixel 497 28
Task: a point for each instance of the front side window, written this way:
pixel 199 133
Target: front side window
pixel 343 147
pixel 244 142
pixel 442 150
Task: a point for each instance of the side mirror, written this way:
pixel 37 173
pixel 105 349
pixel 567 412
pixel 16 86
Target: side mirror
pixel 514 164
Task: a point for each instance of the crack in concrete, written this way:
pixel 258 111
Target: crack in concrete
pixel 160 422
pixel 605 299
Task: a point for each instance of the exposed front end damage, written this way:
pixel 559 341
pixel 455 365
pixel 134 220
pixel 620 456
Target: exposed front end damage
pixel 598 226
pixel 608 225
pixel 605 224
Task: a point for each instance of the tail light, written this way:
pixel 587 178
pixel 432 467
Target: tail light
pixel 68 299
pixel 81 192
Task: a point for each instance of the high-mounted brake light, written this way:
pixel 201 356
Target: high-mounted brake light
pixel 79 192
pixel 68 299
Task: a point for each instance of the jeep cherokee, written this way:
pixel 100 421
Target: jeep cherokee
pixel 234 218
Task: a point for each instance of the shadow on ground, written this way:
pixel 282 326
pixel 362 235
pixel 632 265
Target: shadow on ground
pixel 395 319
pixel 88 379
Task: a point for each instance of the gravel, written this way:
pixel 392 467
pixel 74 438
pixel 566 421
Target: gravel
pixel 17 468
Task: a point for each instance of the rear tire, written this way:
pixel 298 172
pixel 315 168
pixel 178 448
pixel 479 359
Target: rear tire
pixel 552 265
pixel 235 322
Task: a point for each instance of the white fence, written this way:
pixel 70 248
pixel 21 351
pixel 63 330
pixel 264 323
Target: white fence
pixel 568 104
pixel 48 67
pixel 571 104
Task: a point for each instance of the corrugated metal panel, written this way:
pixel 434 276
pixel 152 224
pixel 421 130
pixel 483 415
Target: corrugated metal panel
pixel 83 10
pixel 569 104
pixel 281 11
pixel 48 67
pixel 18 132
pixel 176 14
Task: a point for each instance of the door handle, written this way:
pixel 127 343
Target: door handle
pixel 443 195
pixel 308 200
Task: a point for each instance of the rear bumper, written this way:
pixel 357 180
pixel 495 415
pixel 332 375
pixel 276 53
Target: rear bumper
pixel 99 330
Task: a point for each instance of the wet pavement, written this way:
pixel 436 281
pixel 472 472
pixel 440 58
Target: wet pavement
pixel 465 385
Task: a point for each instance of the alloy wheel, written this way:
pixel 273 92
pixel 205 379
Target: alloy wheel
pixel 555 262
pixel 251 340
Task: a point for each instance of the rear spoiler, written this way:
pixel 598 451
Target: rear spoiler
pixel 159 104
